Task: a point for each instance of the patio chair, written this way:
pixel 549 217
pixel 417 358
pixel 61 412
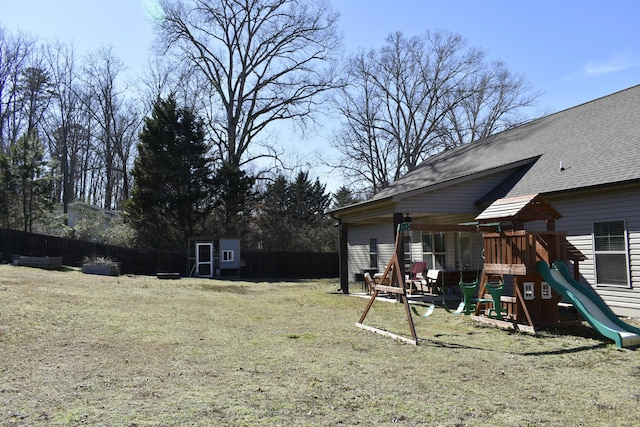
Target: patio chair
pixel 369 282
pixel 416 279
pixel 432 281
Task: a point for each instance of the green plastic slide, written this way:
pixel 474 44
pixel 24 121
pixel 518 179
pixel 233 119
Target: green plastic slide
pixel 589 305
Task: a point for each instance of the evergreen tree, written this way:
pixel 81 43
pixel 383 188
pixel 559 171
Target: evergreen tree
pixel 293 216
pixel 234 201
pixel 26 183
pixel 170 199
pixel 5 190
pixel 344 197
pixel 274 217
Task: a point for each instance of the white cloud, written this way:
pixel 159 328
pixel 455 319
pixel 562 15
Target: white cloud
pixel 613 65
pixel 616 63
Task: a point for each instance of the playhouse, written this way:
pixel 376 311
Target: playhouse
pixel 525 235
pixel 209 257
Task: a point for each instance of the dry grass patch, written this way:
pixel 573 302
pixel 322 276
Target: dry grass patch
pixel 138 351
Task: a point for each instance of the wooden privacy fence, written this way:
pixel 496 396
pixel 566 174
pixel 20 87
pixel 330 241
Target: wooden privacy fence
pixel 151 262
pixel 290 264
pixel 73 252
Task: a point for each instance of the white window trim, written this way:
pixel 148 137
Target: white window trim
pixel 529 291
pixel 625 252
pixel 228 255
pixel 433 255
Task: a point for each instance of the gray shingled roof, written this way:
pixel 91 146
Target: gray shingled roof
pixel 521 207
pixel 592 144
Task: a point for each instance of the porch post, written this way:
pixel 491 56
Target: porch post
pixel 398 219
pixel 343 257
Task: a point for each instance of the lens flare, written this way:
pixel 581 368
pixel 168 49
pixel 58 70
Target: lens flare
pixel 153 9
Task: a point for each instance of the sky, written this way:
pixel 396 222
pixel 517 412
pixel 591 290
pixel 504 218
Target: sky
pixel 572 51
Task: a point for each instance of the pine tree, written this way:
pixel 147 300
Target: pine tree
pixel 274 219
pixel 26 183
pixel 170 199
pixel 234 201
pixel 344 197
pixel 293 216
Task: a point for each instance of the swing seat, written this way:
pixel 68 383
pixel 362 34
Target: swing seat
pixel 496 312
pixel 428 313
pixel 468 304
pixel 458 310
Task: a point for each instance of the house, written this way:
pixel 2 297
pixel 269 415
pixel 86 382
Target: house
pixel 79 211
pixel 585 161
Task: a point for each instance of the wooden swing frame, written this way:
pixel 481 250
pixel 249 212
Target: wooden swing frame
pixel 397 285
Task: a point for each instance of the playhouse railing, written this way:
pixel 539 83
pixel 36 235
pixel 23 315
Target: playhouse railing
pixel 516 252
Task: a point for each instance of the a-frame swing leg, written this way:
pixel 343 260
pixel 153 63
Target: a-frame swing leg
pixel 396 286
pixel 481 289
pixel 412 327
pixel 524 306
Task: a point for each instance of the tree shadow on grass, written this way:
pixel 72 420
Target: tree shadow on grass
pixel 564 350
pixel 570 350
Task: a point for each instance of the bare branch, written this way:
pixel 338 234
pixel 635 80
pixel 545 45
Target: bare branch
pixel 417 96
pixel 266 61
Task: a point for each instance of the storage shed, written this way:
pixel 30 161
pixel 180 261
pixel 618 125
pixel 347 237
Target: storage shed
pixel 211 257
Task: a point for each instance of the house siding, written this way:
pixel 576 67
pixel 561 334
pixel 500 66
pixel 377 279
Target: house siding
pixel 358 246
pixel 579 213
pixel 458 198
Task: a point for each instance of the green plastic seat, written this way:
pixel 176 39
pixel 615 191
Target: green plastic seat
pixel 495 290
pixel 468 304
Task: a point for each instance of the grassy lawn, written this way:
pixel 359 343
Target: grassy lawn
pixel 137 351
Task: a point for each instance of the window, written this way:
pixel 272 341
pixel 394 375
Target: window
pixel 434 250
pixel 464 252
pixel 227 255
pixel 529 291
pixel 610 253
pixel 373 253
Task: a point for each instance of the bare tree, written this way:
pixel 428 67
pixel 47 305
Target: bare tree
pixel 16 52
pixel 113 124
pixel 495 102
pixel 367 152
pixel 415 97
pixel 264 61
pixel 64 129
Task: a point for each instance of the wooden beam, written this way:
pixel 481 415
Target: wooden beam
pixel 516 287
pixel 387 334
pixel 502 324
pixel 444 227
pixel 373 297
pixel 390 289
pixel 513 269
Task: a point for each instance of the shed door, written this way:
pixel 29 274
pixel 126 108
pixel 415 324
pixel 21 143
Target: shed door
pixel 204 259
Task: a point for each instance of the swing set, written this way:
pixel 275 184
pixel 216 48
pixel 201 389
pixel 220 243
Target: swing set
pixel 400 287
pixel 508 250
pixel 468 289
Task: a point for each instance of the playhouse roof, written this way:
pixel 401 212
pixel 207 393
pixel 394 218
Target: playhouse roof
pixel 524 208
